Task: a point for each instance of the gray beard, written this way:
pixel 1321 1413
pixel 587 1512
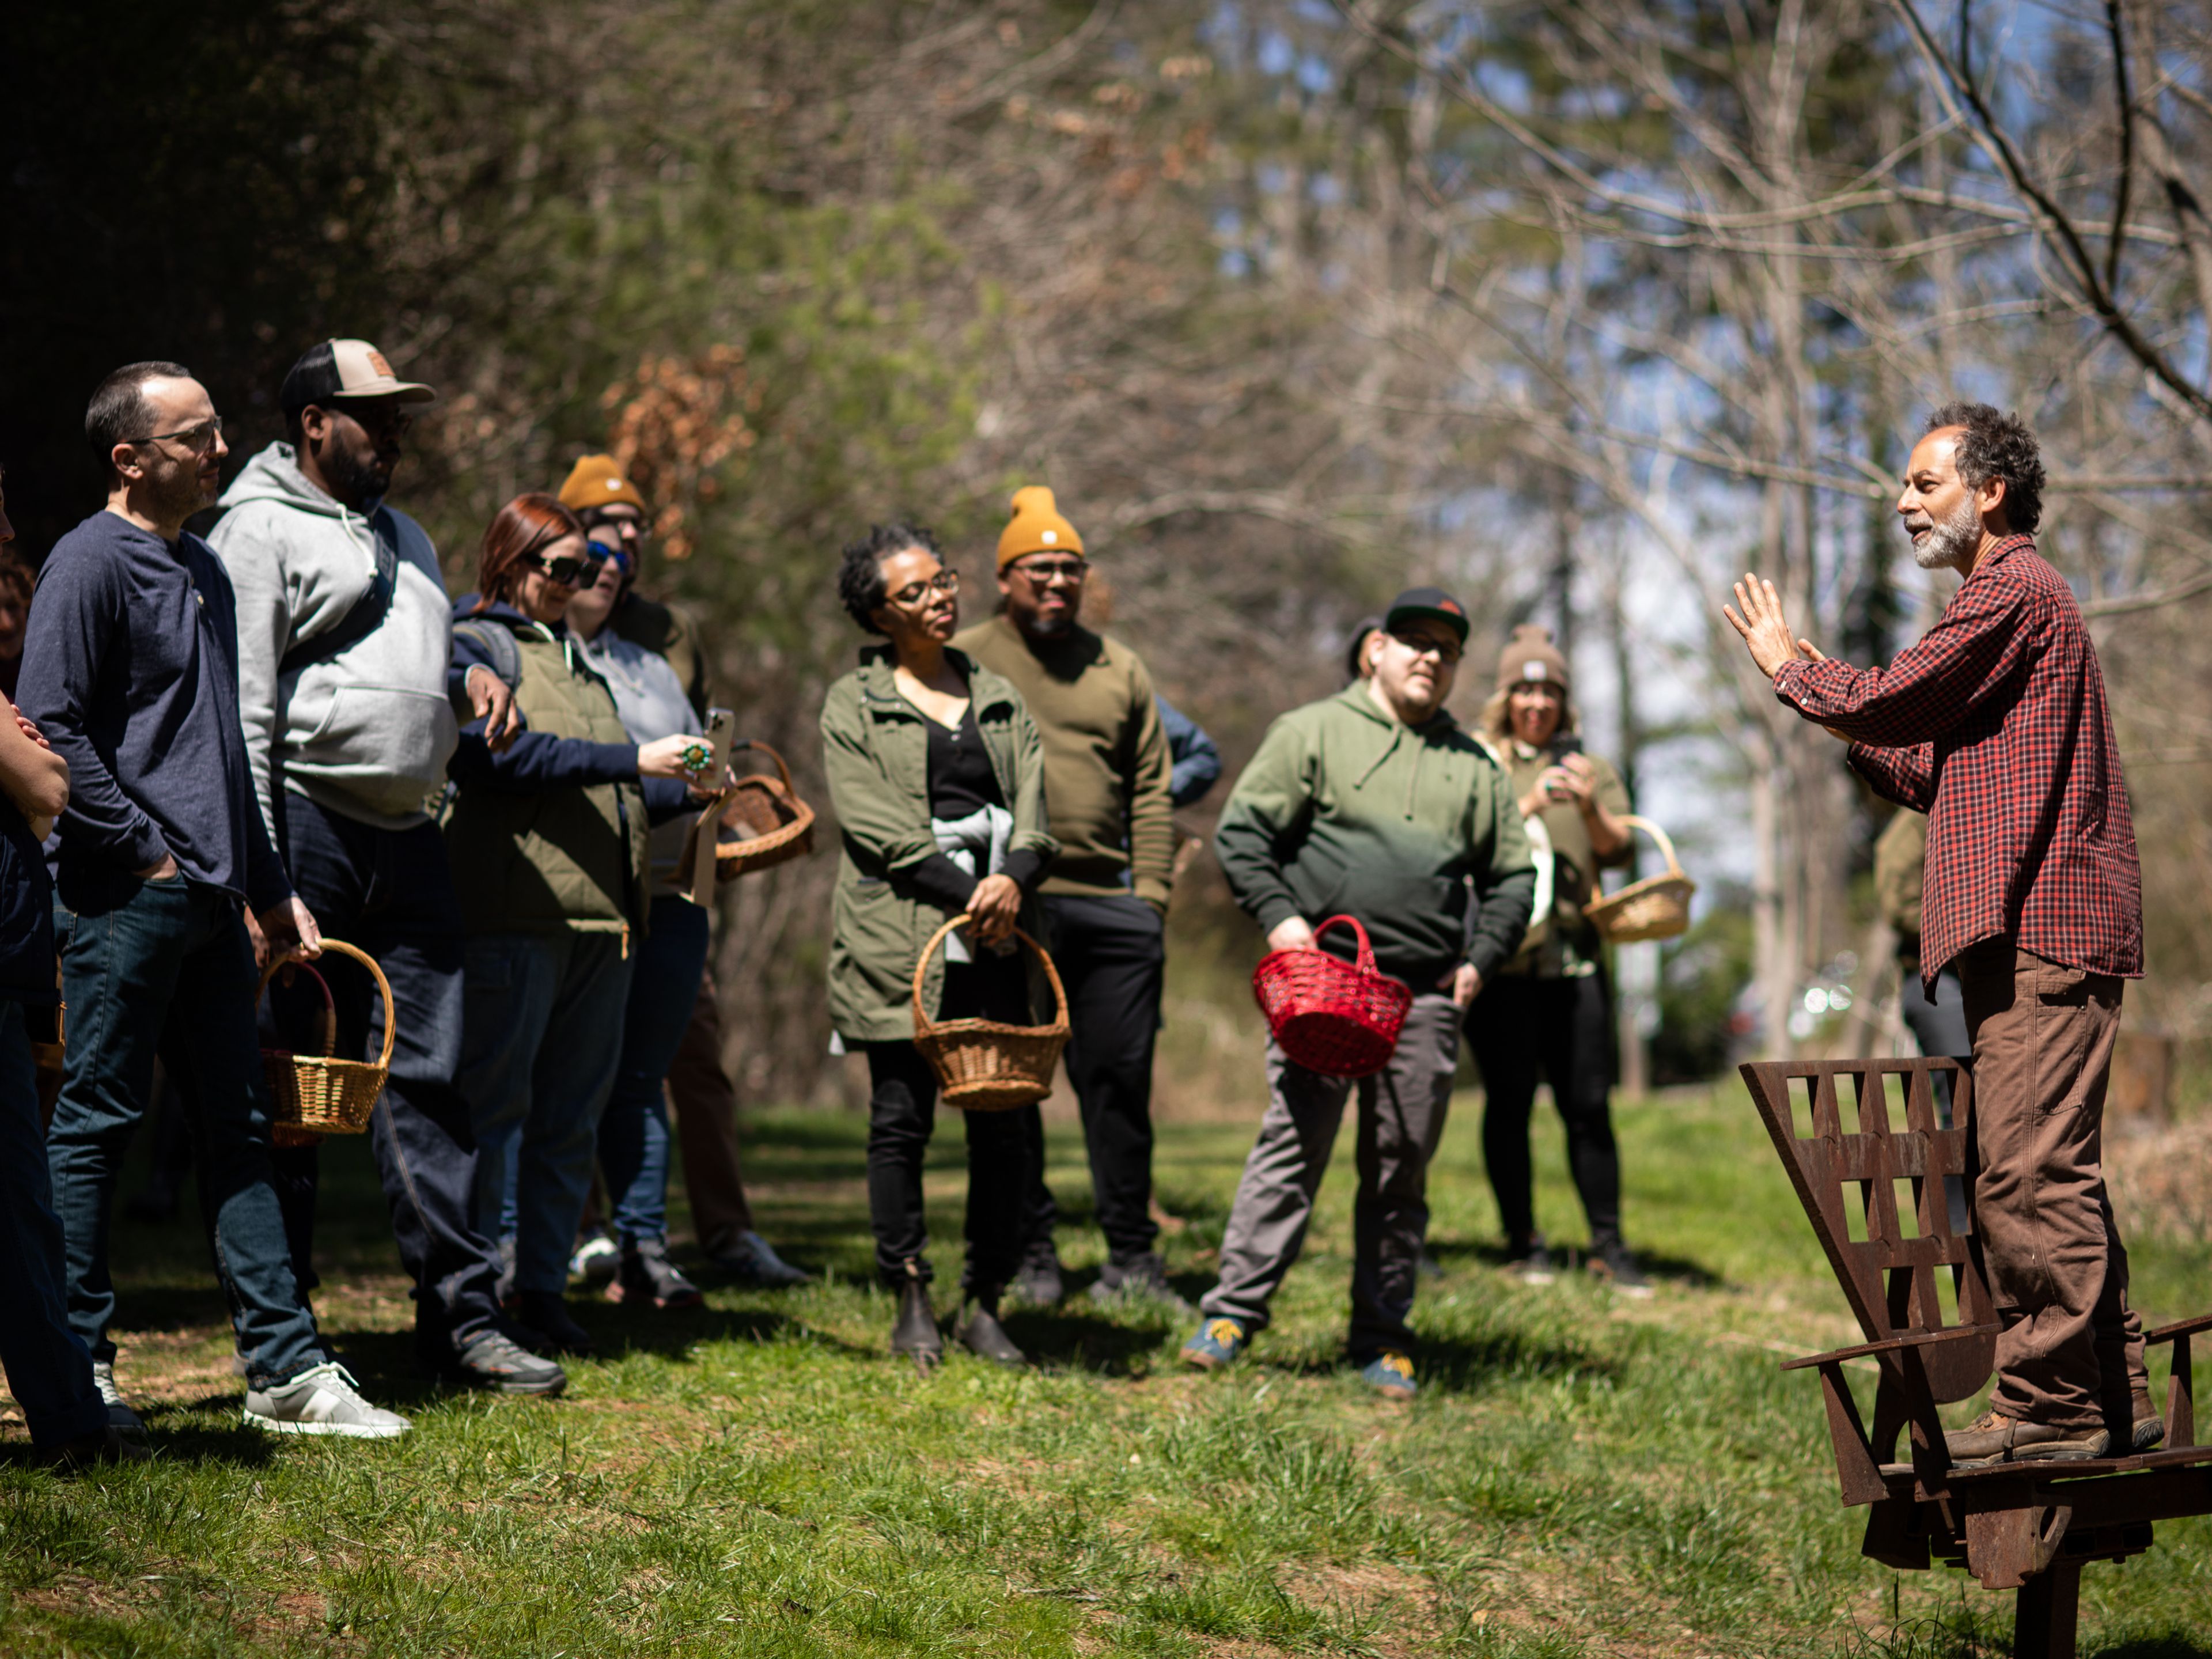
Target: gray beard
pixel 1952 542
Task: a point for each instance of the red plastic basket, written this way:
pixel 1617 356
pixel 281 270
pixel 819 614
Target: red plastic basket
pixel 1338 1018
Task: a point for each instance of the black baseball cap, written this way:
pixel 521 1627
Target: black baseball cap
pixel 1427 602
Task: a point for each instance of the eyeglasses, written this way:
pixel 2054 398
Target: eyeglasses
pixel 1423 644
pixel 614 555
pixel 569 570
pixel 945 581
pixel 198 438
pixel 1060 570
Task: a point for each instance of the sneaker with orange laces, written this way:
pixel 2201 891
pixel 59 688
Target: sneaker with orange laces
pixel 1218 1343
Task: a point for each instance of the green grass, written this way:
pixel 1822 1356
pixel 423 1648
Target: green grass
pixel 1580 1476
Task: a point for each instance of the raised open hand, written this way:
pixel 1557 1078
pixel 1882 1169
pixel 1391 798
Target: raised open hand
pixel 1757 615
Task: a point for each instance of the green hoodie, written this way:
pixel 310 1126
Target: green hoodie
pixel 1345 810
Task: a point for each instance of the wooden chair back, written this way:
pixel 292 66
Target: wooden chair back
pixel 1866 1151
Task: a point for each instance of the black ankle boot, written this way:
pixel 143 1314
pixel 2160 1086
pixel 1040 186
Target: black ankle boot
pixel 980 1332
pixel 915 1331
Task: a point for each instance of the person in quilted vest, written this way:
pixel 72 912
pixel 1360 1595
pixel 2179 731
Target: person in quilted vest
pixel 547 840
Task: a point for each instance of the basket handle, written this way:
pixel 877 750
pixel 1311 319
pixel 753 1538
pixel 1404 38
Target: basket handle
pixel 1666 845
pixel 921 1019
pixel 383 987
pixel 1366 950
pixel 758 747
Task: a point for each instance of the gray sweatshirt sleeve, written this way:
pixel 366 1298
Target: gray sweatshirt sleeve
pixel 255 562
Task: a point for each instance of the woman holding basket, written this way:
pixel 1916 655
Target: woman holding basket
pixel 1548 1009
pixel 936 773
pixel 547 839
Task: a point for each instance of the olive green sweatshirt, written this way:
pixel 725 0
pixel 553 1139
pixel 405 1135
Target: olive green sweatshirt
pixel 1346 809
pixel 1106 763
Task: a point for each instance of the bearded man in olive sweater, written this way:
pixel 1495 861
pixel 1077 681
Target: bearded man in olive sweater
pixel 1373 804
pixel 1107 772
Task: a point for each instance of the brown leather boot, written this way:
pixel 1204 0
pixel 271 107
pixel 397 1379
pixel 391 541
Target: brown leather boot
pixel 1993 1437
pixel 2151 1427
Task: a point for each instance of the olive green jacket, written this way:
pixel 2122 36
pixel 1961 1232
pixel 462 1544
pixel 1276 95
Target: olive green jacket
pixel 875 751
pixel 566 857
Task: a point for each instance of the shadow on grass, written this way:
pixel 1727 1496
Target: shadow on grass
pixel 171 1307
pixel 175 1436
pixel 673 1333
pixel 2170 1645
pixel 1102 1346
pixel 1673 1269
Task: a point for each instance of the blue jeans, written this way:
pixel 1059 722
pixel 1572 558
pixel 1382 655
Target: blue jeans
pixel 48 1372
pixel 391 893
pixel 165 968
pixel 634 1133
pixel 542 1029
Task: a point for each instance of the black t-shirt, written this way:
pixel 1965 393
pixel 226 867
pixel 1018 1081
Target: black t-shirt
pixel 961 781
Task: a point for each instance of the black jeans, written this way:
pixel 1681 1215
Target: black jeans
pixel 1564 1027
pixel 902 1112
pixel 391 892
pixel 1112 958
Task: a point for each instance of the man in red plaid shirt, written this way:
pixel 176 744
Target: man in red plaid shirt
pixel 1995 725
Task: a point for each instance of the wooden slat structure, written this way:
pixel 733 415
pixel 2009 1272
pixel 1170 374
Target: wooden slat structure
pixel 1869 1154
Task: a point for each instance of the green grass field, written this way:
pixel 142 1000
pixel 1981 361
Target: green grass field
pixel 1581 1475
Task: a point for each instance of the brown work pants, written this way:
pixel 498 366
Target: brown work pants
pixel 707 1129
pixel 2043 1038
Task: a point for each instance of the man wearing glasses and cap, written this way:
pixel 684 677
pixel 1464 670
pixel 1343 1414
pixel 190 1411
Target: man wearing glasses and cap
pixel 131 671
pixel 343 641
pixel 1376 804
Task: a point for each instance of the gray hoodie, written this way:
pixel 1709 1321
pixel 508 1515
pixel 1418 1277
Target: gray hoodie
pixel 366 734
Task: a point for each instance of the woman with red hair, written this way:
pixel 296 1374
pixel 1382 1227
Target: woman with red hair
pixel 546 837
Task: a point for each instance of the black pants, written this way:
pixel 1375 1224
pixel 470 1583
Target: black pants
pixel 1112 957
pixel 391 892
pixel 1563 1028
pixel 902 1112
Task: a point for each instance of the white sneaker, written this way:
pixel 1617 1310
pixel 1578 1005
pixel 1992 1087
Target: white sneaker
pixel 596 1260
pixel 321 1400
pixel 120 1417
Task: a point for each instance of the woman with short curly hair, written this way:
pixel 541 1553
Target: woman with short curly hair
pixel 937 774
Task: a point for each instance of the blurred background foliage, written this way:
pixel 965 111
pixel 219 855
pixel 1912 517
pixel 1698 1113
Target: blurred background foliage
pixel 1293 303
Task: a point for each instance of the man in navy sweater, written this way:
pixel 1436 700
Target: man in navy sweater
pixel 131 668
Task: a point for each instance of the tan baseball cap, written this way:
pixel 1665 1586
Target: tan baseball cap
pixel 346 368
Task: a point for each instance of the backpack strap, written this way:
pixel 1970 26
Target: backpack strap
pixel 368 611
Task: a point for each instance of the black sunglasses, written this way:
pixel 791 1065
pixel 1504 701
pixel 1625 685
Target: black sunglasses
pixel 570 569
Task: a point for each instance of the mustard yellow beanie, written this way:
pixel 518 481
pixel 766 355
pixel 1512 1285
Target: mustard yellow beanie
pixel 1035 527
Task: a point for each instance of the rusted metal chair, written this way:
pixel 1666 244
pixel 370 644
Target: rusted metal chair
pixel 1874 1193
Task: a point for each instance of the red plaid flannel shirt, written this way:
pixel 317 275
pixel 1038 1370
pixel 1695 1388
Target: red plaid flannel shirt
pixel 1995 726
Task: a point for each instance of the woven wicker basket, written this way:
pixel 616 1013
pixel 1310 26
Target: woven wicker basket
pixel 1658 907
pixel 1338 1018
pixel 322 1094
pixel 772 824
pixel 984 1065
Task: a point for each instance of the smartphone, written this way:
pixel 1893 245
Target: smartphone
pixel 1565 743
pixel 721 734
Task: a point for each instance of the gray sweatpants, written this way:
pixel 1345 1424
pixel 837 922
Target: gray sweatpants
pixel 1401 1118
